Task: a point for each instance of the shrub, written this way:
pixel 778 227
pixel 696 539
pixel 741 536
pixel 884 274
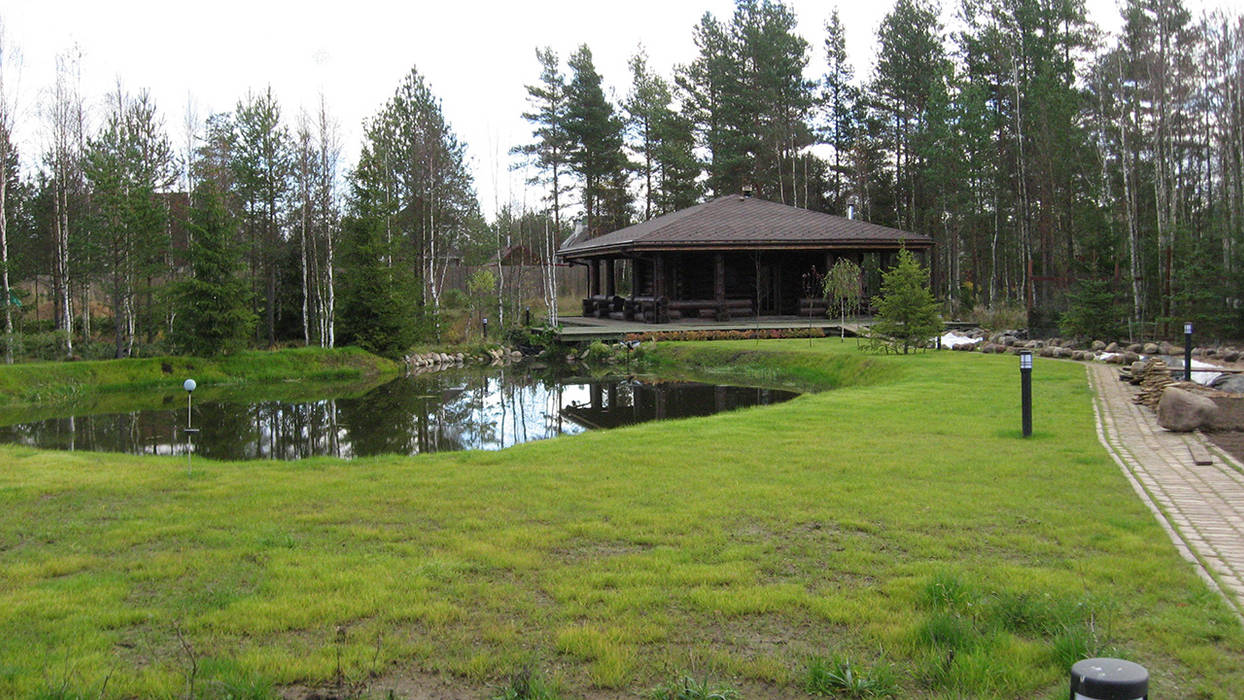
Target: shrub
pixel 999 317
pixel 838 677
pixel 527 685
pixel 686 687
pixel 453 299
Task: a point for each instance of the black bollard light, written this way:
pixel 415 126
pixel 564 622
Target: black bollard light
pixel 485 327
pixel 1187 352
pixel 1109 679
pixel 1025 390
pixel 527 316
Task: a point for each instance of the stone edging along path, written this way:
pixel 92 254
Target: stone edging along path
pixel 1201 507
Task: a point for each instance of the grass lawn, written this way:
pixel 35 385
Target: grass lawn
pixel 898 521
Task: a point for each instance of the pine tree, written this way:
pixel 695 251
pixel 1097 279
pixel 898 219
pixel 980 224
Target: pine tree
pixel 212 305
pixel 663 141
pixel 128 165
pixel 415 172
pixel 839 98
pixel 595 138
pixel 749 101
pixel 550 152
pixel 262 157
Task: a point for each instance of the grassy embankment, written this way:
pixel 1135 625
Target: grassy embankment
pixel 42 389
pixel 899 520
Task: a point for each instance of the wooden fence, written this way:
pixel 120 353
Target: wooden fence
pixel 523 284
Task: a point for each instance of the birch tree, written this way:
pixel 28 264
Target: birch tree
pixel 65 117
pixel 10 62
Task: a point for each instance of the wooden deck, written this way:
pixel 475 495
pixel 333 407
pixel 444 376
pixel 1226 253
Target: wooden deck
pixel 587 329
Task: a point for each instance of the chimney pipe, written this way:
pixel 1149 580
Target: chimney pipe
pixel 850 211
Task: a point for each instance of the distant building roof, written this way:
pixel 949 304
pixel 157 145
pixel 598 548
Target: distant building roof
pixel 744 223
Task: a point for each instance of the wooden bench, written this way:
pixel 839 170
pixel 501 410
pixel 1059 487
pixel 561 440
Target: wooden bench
pixel 602 306
pixel 814 306
pixel 647 309
pixel 691 308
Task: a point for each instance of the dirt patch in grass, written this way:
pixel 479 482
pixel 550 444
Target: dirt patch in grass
pixel 410 684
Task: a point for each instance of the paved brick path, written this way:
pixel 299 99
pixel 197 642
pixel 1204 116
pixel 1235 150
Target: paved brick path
pixel 1201 507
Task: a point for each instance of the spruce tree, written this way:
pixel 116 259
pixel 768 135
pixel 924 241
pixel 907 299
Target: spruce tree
pixel 213 303
pixel 906 310
pixel 372 314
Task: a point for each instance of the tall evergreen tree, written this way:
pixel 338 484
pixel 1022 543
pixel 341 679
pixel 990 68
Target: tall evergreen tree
pixel 414 172
pixel 663 142
pixel 839 104
pixel 374 297
pixel 262 166
pixel 749 101
pixel 212 305
pixel 550 152
pixel 128 165
pixel 596 156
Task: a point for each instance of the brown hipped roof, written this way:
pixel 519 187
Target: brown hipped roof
pixel 745 223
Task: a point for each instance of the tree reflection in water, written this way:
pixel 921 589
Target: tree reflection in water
pixel 445 411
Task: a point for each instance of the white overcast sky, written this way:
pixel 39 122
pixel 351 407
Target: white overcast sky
pixel 477 56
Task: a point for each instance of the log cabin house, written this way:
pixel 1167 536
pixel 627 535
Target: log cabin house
pixel 734 256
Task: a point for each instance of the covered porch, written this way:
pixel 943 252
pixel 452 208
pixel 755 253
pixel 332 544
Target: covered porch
pixel 721 285
pixel 734 257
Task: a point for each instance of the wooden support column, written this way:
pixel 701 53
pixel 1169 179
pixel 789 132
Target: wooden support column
pixel 593 278
pixel 660 289
pixel 610 281
pixel 719 286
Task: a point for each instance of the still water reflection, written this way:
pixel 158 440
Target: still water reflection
pixel 452 410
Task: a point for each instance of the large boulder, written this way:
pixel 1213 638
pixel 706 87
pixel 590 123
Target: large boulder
pixel 1230 383
pixel 1151 348
pixel 1182 411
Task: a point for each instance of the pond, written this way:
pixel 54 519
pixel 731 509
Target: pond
pixel 461 409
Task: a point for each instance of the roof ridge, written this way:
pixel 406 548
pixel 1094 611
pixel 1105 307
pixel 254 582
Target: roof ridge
pixel 741 219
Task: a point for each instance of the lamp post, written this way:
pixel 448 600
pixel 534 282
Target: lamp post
pixel 1187 352
pixel 1108 679
pixel 1025 390
pixel 189 385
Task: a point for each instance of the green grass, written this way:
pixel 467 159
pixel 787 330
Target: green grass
pixel 898 517
pixel 42 384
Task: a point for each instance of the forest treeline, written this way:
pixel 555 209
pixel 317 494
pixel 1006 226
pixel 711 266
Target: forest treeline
pixel 1095 180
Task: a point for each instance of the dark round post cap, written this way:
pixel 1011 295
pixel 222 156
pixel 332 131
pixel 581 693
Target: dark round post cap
pixel 1109 679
